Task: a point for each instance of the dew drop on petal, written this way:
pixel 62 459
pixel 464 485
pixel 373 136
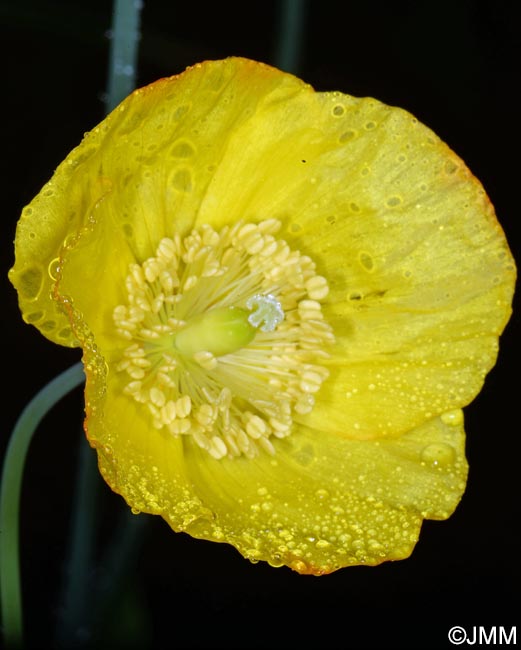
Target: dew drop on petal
pixel 30 283
pixel 54 268
pixel 452 418
pixel 438 454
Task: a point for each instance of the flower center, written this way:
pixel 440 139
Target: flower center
pixel 225 337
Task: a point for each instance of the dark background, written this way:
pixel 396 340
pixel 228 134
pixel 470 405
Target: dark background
pixel 455 65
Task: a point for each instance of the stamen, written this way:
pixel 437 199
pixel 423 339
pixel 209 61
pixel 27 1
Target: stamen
pixel 225 337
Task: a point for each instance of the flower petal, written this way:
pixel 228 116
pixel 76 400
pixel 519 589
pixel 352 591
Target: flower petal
pixel 143 171
pixel 420 274
pixel 322 502
pixel 325 502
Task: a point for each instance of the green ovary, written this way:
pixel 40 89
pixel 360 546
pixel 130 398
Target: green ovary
pixel 219 331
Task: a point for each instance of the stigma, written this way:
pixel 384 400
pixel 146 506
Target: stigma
pixel 223 337
pixel 268 312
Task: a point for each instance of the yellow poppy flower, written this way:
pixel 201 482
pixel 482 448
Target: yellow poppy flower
pixel 284 299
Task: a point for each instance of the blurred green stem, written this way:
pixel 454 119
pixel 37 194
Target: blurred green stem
pixel 290 37
pixel 123 58
pixel 80 606
pixel 123 51
pixel 10 489
pixel 73 621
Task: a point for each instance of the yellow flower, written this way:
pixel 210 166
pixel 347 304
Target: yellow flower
pixel 284 299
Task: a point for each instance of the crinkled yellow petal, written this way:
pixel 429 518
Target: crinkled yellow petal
pixel 142 172
pixel 323 502
pixel 420 274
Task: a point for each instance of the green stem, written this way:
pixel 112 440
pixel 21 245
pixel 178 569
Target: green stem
pixel 74 620
pixel 117 564
pixel 290 38
pixel 123 58
pixel 10 489
pixel 123 51
pixel 75 626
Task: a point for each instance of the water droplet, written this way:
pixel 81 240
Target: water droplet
pixel 34 317
pixel 450 167
pixel 181 111
pixel 253 555
pixel 30 283
pixel 366 261
pixel 262 491
pixel 322 543
pixel 299 566
pixel 182 149
pixel 452 418
pixel 322 494
pixel 393 201
pixel 346 136
pixel 54 268
pixel 182 180
pixel 65 333
pixel 439 454
pixel 218 533
pixel 275 560
pixel 126 70
pixel 47 326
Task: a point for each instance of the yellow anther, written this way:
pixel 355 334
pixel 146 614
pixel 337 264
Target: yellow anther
pixel 205 415
pixel 157 397
pixel 205 359
pixel 183 406
pixel 218 447
pixel 168 412
pixel 133 387
pixel 255 426
pixel 190 282
pixel 167 249
pixel 317 287
pixel 180 426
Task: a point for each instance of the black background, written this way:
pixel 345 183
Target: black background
pixel 455 65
